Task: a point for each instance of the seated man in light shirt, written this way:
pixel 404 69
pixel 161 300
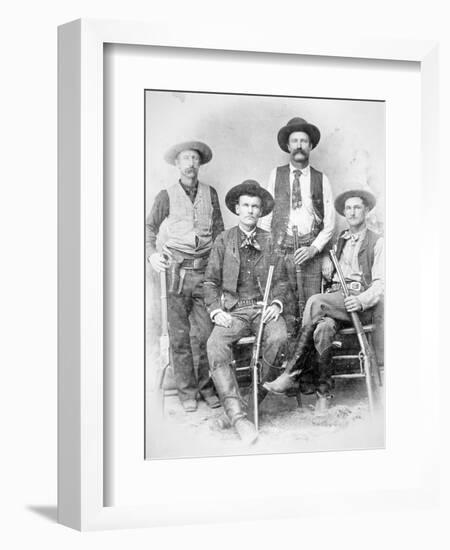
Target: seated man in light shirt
pixel 360 252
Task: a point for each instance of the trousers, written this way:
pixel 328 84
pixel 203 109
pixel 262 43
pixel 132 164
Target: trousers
pixel 245 322
pixel 189 321
pixel 326 312
pixel 310 280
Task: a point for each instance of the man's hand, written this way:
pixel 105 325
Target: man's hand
pixel 222 319
pixel 158 262
pixel 352 303
pixel 304 254
pixel 272 312
pixel 327 268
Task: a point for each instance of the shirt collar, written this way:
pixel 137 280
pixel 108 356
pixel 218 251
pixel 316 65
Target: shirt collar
pixel 189 188
pixel 246 233
pixel 304 171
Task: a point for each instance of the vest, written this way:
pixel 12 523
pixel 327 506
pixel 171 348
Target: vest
pixel 282 209
pixel 366 254
pixel 189 226
pixel 232 264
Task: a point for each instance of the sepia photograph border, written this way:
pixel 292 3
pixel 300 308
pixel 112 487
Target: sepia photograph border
pixel 82 489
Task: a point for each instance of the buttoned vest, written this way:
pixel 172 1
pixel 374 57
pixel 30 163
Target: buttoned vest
pixel 189 225
pixel 366 254
pixel 282 192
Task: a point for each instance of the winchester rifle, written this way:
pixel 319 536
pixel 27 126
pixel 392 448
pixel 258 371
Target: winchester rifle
pixel 255 364
pixel 164 343
pixel 298 275
pixel 362 338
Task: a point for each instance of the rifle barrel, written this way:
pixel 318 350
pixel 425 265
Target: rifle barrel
pixel 361 335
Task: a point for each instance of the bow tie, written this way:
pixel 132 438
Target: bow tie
pixel 250 241
pixel 353 238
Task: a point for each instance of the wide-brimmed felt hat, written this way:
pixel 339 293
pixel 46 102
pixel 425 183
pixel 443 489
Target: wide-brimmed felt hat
pixel 366 196
pixel 202 149
pixel 253 189
pixel 298 124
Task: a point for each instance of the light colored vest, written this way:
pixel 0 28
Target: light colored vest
pixel 189 226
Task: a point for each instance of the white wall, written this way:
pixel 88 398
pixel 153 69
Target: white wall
pixel 242 133
pixel 28 274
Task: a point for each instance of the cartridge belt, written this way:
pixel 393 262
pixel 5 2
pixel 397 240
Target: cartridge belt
pixel 194 263
pixel 354 286
pixel 247 303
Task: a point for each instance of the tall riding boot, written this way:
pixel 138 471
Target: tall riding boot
pixel 232 402
pixel 323 387
pixel 286 380
pixel 325 382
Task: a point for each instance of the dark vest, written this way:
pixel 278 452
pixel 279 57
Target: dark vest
pixel 282 192
pixel 366 254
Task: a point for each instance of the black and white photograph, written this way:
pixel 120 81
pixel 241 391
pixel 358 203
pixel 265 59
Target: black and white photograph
pixel 265 277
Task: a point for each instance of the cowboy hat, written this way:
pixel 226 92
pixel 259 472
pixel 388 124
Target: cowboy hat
pixel 298 124
pixel 202 149
pixel 369 199
pixel 253 189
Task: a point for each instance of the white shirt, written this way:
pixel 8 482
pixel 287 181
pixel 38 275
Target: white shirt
pixel 305 216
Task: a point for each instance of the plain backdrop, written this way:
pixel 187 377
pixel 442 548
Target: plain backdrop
pixel 28 281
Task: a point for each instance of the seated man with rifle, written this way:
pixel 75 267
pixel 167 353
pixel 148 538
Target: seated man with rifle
pixel 241 301
pixel 359 261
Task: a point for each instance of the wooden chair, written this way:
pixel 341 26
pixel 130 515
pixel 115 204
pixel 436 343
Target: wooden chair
pixel 348 361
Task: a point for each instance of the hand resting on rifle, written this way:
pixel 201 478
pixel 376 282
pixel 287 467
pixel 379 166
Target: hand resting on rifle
pixel 305 253
pixel 352 303
pixel 158 262
pixel 272 312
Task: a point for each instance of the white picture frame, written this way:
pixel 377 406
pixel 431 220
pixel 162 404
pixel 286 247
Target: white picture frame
pixel 82 484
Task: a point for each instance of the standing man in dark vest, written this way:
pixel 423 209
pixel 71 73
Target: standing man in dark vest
pixel 191 212
pixel 234 288
pixel 360 252
pixel 303 201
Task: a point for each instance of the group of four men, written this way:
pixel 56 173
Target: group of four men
pixel 217 278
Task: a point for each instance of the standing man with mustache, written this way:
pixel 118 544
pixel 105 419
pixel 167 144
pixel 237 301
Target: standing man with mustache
pixel 191 214
pixel 303 202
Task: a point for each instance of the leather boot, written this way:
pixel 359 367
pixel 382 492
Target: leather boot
pixel 234 406
pixel 244 427
pixel 286 380
pixel 321 408
pixel 325 383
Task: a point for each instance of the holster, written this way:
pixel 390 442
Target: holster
pixel 174 277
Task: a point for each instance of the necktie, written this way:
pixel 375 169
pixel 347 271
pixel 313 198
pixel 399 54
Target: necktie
pixel 250 241
pixel 296 191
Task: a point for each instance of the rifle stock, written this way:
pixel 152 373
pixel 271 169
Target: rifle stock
pixel 361 335
pixel 164 343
